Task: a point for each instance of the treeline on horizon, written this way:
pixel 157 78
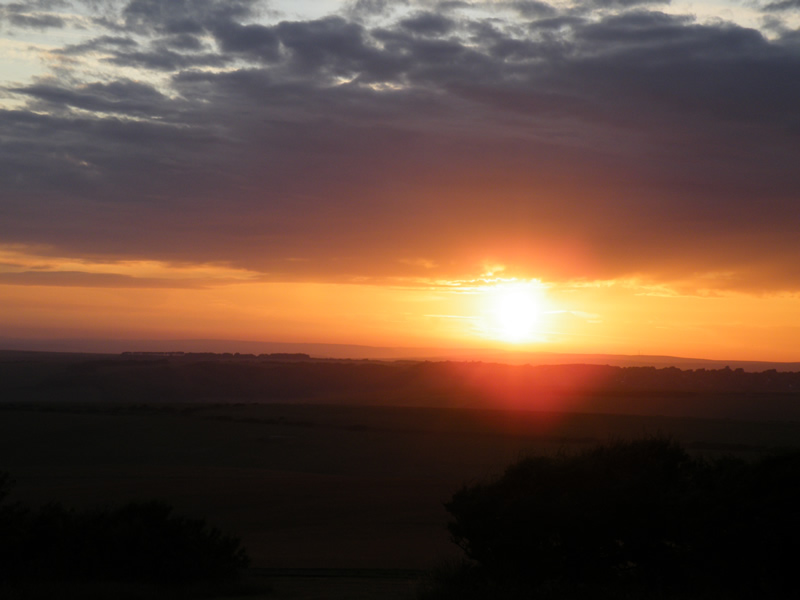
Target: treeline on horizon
pixel 293 377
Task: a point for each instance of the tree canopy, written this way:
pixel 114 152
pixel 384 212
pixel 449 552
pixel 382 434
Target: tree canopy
pixel 641 515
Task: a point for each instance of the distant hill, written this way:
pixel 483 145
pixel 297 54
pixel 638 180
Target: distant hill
pixel 181 377
pixel 354 351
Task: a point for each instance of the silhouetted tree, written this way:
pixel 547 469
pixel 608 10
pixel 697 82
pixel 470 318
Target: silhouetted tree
pixel 642 515
pixel 138 542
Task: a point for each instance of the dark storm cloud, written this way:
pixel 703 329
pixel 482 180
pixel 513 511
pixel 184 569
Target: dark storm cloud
pixel 561 145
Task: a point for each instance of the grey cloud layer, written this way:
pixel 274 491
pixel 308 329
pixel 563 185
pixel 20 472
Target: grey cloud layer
pixel 32 15
pixel 565 144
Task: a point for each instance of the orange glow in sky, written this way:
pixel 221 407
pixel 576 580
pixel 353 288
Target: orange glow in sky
pixel 50 298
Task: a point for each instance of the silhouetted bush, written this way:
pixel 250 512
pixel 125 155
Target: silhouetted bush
pixel 642 515
pixel 138 542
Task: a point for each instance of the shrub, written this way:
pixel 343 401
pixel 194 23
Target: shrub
pixel 138 542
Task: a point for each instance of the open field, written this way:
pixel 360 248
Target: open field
pixel 314 486
pixel 339 493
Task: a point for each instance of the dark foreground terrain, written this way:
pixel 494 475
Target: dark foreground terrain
pixel 335 498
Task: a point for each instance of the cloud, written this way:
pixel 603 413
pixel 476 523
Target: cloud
pixel 104 42
pixel 624 3
pixel 164 59
pixel 121 96
pixel 184 16
pixel 37 21
pixel 782 6
pixel 257 41
pixel 533 8
pixel 83 280
pixel 598 145
pixel 31 15
pixel 368 8
pixel 428 23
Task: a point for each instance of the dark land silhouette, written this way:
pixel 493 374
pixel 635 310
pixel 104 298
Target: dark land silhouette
pixel 51 546
pixel 200 377
pixel 334 474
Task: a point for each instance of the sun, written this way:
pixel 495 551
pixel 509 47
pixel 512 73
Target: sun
pixel 514 311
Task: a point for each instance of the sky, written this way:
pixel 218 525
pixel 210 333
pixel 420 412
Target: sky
pixel 614 176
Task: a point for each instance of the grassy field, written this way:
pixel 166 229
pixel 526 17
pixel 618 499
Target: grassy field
pixel 323 488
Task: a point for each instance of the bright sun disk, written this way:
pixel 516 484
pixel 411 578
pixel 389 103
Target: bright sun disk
pixel 514 311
